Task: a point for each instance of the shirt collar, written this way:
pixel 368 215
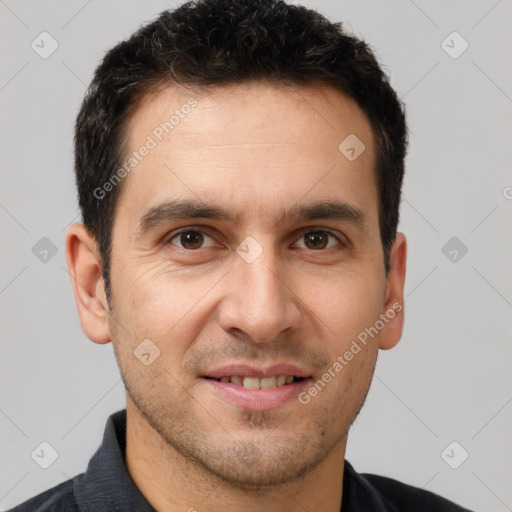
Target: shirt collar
pixel 360 495
pixel 107 485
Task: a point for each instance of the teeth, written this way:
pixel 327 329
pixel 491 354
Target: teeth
pixel 256 383
pixel 268 383
pixel 251 383
pixel 281 380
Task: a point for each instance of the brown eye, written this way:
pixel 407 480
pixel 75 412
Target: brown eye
pixel 318 240
pixel 191 239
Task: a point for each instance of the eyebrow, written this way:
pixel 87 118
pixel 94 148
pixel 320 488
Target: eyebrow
pixel 191 209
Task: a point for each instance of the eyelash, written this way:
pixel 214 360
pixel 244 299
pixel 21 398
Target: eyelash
pixel 303 233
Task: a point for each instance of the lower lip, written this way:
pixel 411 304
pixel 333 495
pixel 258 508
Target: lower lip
pixel 258 399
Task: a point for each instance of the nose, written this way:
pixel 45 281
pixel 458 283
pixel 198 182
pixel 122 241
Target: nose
pixel 258 301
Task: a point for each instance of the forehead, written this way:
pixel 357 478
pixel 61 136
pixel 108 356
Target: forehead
pixel 256 144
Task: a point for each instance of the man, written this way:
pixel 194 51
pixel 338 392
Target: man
pixel 239 167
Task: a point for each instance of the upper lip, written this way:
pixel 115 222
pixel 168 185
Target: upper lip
pixel 245 370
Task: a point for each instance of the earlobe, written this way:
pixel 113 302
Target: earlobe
pixel 394 303
pixel 85 269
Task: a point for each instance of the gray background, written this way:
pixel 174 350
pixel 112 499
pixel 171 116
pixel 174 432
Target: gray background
pixel 447 380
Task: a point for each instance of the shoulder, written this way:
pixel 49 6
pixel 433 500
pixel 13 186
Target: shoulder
pixel 407 498
pixel 57 499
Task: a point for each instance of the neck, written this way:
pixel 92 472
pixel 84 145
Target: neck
pixel 171 482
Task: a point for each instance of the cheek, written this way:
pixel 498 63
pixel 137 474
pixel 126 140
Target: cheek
pixel 347 302
pixel 163 305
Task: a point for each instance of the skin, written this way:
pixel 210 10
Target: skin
pixel 255 149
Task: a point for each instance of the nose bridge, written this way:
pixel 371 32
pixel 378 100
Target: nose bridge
pixel 258 302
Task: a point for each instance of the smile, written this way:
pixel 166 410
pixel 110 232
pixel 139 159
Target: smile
pixel 257 393
pixel 256 383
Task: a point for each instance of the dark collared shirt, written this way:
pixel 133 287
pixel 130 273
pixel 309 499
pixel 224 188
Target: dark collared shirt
pixel 106 486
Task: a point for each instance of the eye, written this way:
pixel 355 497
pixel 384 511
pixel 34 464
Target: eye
pixel 190 239
pixel 319 239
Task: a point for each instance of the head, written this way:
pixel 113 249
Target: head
pixel 243 109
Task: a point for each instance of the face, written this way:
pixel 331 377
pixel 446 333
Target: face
pixel 247 245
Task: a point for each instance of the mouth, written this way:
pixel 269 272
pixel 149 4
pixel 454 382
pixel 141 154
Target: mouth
pixel 258 383
pixel 257 394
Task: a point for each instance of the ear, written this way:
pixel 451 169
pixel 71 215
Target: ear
pixel 84 266
pixel 394 302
